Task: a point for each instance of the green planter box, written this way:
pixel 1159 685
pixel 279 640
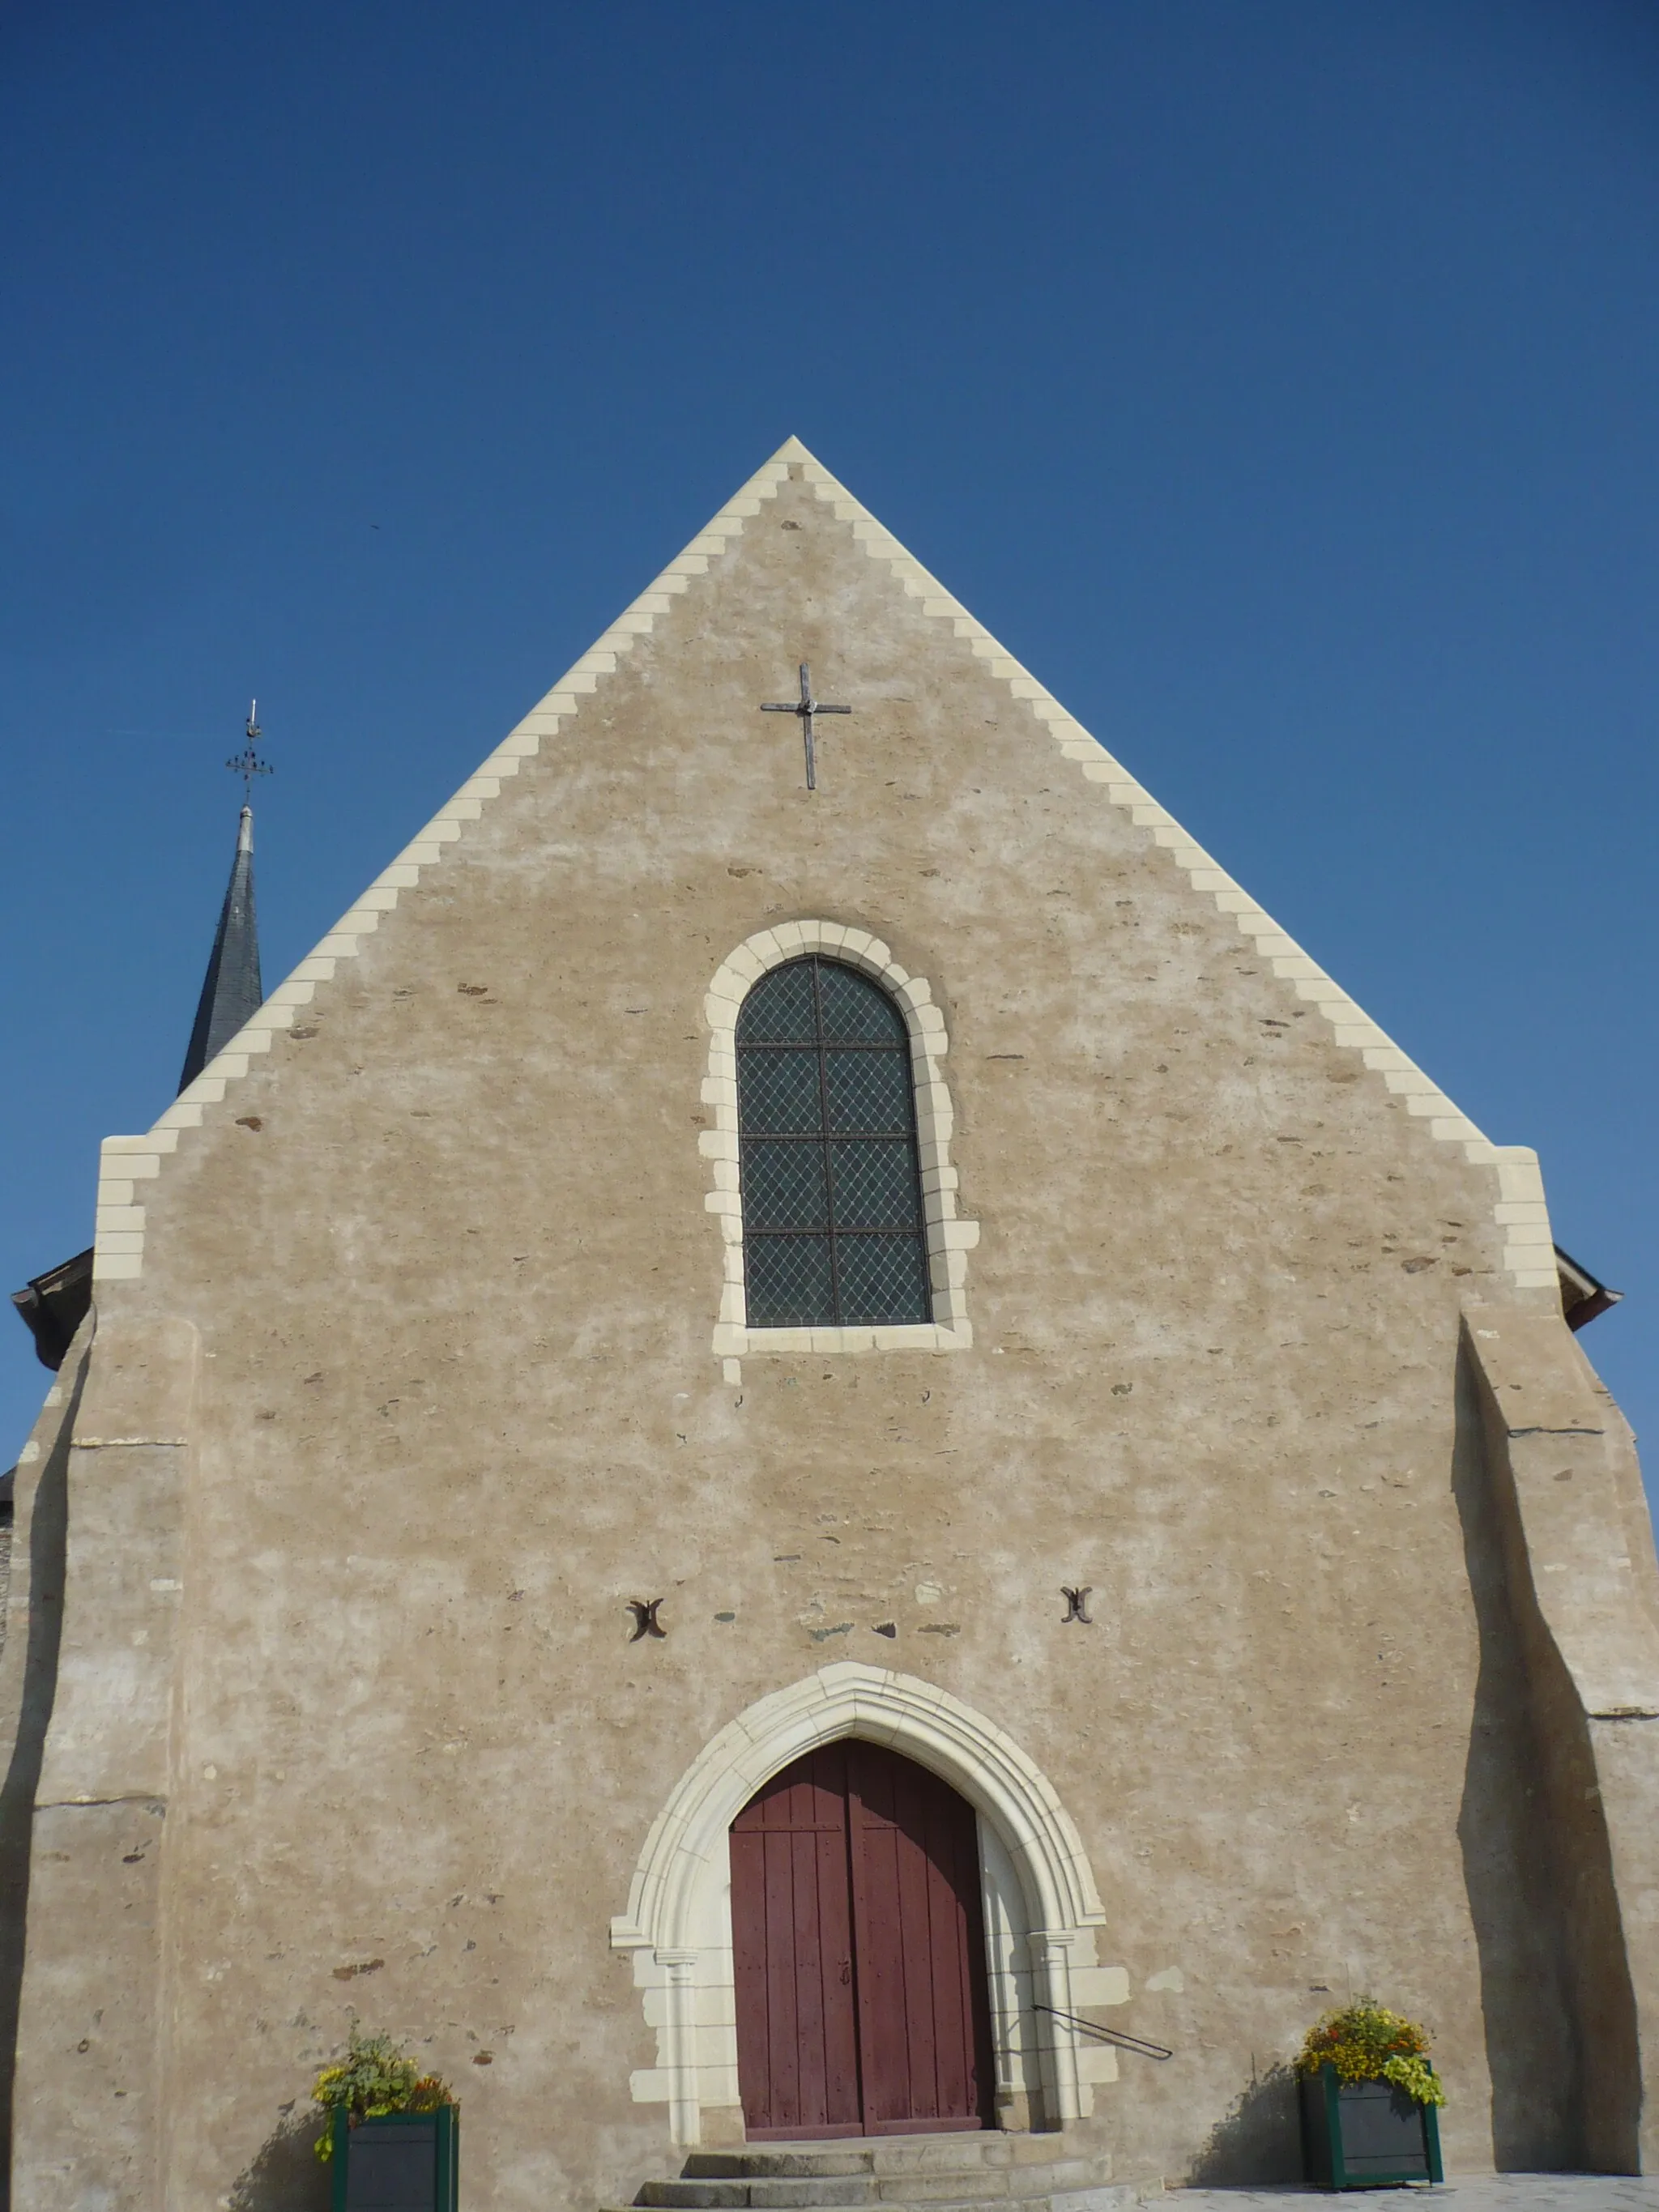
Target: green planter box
pixel 407 2162
pixel 1364 2135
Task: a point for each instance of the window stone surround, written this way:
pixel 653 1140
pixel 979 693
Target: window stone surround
pixel 949 1238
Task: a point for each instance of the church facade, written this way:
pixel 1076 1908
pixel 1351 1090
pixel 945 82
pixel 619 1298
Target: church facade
pixel 776 1460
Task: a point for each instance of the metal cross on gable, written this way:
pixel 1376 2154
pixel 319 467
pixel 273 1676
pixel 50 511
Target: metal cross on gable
pixel 806 707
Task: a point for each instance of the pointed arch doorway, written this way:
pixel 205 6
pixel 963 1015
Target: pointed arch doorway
pixel 858 1951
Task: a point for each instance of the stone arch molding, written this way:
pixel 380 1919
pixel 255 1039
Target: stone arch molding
pixel 950 1239
pixel 1043 1909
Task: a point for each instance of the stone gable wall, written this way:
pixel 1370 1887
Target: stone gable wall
pixel 445 1252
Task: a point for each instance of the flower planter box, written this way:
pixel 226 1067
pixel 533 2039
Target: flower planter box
pixel 406 2162
pixel 1363 2135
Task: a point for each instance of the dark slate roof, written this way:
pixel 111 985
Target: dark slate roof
pixel 55 1304
pixel 1582 1297
pixel 231 990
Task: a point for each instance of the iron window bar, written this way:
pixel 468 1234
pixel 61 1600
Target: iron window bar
pixel 1136 2042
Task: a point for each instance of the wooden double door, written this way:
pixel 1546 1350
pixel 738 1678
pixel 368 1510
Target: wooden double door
pixel 859 1951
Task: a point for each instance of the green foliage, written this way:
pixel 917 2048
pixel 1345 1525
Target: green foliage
pixel 373 2079
pixel 1366 2042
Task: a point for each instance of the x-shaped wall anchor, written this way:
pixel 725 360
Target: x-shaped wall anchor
pixel 1077 1603
pixel 645 1623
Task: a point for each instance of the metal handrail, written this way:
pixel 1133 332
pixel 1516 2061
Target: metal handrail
pixel 1134 2043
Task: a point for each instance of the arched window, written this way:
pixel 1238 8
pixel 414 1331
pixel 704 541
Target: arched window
pixel 832 1216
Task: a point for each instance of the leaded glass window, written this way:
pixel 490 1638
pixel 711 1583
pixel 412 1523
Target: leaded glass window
pixel 833 1231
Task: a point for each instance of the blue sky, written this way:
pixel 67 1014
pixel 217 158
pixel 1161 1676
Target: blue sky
pixel 1276 380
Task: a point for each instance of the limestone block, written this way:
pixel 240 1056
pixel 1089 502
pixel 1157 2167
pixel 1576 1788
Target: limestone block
pixel 1409 1082
pixel 1519 1210
pixel 113 1242
pixel 141 1148
pixel 1534 1233
pixel 1519 1179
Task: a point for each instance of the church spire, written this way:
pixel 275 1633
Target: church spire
pixel 231 990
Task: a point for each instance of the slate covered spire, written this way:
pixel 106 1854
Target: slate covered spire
pixel 231 990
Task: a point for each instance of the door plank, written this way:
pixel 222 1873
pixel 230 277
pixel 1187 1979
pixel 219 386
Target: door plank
pixel 748 1971
pixel 843 2098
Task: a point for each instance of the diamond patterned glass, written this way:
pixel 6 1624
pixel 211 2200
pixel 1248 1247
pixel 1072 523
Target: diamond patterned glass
pixel 869 1092
pixel 790 1285
pixel 875 1184
pixel 779 1008
pixel 883 1279
pixel 783 1187
pixel 855 1010
pixel 778 1092
pixel 833 1232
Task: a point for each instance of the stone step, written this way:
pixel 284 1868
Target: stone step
pixel 896 2173
pixel 991 2185
pixel 1099 2196
pixel 769 2193
pixel 951 2151
pixel 848 2157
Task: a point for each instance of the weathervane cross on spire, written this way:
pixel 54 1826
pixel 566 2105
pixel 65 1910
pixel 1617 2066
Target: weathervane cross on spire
pixel 247 763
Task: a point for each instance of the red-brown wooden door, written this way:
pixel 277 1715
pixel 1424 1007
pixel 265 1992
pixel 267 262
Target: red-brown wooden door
pixel 859 1951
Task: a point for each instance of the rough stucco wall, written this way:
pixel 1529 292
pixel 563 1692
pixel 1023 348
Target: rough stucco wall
pixel 1558 1468
pixel 92 2041
pixel 28 1680
pixel 447 1254
pixel 1512 1849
